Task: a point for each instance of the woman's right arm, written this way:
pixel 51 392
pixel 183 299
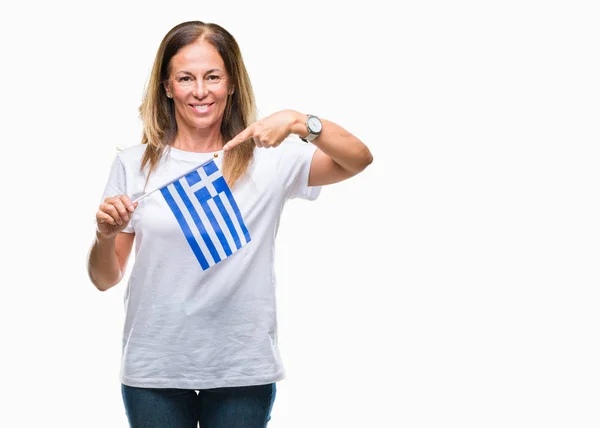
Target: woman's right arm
pixel 110 251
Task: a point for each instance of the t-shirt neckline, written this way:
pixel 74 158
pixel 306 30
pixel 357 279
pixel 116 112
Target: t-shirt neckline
pixel 187 155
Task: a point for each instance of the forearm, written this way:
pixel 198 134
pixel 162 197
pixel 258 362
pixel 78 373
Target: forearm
pixel 103 265
pixel 344 148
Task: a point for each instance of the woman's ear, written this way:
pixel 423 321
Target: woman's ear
pixel 167 90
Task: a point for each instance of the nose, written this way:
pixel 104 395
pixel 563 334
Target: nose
pixel 200 88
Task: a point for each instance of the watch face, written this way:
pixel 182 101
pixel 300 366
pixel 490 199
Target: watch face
pixel 314 125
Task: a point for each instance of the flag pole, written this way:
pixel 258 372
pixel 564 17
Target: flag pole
pixel 144 196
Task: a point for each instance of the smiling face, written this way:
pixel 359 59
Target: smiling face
pixel 198 86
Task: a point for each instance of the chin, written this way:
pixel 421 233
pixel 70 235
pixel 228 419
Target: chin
pixel 201 123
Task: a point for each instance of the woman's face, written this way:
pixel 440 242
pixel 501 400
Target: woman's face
pixel 198 85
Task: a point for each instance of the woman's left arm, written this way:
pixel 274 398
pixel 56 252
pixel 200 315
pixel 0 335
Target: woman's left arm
pixel 340 155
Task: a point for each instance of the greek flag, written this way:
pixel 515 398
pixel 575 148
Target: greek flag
pixel 207 214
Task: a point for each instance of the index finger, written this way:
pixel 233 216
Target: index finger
pixel 239 138
pixel 126 200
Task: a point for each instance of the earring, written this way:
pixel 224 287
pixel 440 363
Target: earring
pixel 169 95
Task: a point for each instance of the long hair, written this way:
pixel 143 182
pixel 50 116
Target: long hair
pixel 158 112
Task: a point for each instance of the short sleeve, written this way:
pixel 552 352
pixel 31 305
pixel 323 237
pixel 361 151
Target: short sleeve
pixel 117 185
pixel 295 168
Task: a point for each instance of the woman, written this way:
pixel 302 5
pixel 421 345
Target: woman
pixel 200 339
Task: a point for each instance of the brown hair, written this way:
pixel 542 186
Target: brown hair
pixel 158 112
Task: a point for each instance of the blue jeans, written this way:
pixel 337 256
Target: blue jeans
pixel 237 407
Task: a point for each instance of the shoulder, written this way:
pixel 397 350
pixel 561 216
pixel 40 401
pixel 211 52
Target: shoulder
pixel 132 153
pixel 131 157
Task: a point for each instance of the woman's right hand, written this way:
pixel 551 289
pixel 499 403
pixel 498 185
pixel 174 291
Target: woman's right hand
pixel 114 215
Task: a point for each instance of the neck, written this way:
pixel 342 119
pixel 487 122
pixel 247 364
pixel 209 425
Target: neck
pixel 198 140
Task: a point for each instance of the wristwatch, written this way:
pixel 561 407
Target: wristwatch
pixel 314 126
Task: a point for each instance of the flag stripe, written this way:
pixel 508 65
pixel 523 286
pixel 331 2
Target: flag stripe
pixel 197 221
pixel 204 196
pixel 221 186
pixel 196 229
pixel 237 227
pixel 227 219
pixel 189 236
pixel 211 234
pixel 227 228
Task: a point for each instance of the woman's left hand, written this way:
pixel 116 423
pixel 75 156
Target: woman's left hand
pixel 267 132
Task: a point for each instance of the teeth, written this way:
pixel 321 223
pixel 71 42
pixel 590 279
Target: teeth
pixel 202 107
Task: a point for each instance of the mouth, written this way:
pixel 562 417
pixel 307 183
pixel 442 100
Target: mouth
pixel 201 108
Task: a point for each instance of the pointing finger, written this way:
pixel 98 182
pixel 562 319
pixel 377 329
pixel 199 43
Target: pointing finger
pixel 240 138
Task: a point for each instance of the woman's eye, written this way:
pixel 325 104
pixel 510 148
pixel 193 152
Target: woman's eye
pixel 213 77
pixel 184 79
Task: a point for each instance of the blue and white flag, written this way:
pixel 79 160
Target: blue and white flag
pixel 207 213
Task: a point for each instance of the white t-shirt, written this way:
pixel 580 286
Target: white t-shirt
pixel 190 328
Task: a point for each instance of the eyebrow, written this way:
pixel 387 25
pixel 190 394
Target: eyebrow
pixel 208 72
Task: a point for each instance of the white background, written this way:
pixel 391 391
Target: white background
pixel 454 283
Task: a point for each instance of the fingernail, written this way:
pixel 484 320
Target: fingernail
pixel 130 207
